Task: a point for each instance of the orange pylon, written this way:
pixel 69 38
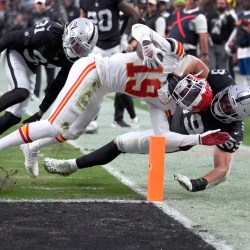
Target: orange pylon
pixel 156 168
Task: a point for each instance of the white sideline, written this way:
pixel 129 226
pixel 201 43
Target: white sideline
pixel 167 209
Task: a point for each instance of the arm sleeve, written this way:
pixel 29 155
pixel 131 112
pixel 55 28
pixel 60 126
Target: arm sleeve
pixel 169 46
pixel 13 40
pixel 142 33
pixel 54 89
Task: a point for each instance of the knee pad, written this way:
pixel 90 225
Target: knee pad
pixel 133 142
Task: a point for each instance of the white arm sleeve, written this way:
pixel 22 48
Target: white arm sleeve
pixel 142 32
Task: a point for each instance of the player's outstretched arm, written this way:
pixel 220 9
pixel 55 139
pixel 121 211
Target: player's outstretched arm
pixel 51 94
pixel 222 164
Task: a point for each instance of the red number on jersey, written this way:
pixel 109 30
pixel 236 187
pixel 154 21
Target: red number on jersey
pixel 148 87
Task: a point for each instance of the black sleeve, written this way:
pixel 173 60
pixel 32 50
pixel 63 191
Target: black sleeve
pixel 13 40
pixel 55 88
pixel 236 132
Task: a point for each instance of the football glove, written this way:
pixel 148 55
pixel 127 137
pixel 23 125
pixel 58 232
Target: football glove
pixel 164 94
pixel 34 118
pixel 213 137
pixel 150 56
pixel 184 181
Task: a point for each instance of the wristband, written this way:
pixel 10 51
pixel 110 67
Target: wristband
pixel 204 54
pixel 199 184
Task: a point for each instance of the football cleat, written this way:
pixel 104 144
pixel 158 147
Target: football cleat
pixel 61 167
pixel 31 162
pixel 121 124
pixel 92 128
pixel 135 124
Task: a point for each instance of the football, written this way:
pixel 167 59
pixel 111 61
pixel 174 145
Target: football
pixel 140 54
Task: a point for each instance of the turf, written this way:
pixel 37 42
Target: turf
pixel 92 183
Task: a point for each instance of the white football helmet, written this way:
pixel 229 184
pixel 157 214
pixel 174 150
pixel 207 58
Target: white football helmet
pixel 79 38
pixel 190 93
pixel 232 104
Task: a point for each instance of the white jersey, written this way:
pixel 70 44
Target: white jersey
pixel 91 78
pixel 125 73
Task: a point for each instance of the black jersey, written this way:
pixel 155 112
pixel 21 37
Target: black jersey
pixel 185 122
pixel 41 45
pixel 105 14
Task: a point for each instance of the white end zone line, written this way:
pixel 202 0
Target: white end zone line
pixel 169 210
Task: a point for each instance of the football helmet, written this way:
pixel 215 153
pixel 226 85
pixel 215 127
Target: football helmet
pixel 232 104
pixel 191 93
pixel 79 38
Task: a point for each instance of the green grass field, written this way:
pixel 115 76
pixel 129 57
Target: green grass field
pixel 92 183
pixel 222 211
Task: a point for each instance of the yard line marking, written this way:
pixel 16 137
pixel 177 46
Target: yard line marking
pixel 59 188
pixel 72 201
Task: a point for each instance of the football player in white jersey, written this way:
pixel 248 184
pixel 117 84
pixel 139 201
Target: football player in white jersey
pixel 229 107
pixel 92 77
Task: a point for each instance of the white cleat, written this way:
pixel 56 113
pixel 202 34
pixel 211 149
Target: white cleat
pixel 61 167
pixel 92 128
pixel 135 124
pixel 31 162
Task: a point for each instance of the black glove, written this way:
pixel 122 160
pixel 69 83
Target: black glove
pixel 33 118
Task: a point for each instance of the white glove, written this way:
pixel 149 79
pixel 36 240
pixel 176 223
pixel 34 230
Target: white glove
pixel 124 42
pixel 184 181
pixel 150 56
pixel 213 137
pixel 164 94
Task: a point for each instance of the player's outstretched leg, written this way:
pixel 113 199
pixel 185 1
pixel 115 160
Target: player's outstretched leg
pixel 61 167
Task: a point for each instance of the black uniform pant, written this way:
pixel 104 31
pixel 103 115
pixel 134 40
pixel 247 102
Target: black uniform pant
pixel 122 102
pixel 50 74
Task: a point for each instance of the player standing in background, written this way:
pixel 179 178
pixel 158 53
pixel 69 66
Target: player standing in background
pixel 43 11
pixel 190 28
pixel 91 78
pixel 106 15
pixel 230 106
pixel 45 44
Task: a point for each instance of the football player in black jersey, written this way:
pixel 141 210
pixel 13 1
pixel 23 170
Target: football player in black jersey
pixel 106 15
pixel 229 107
pixel 47 43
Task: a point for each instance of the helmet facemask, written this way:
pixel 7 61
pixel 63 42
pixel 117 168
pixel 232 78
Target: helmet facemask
pixel 192 93
pixel 232 104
